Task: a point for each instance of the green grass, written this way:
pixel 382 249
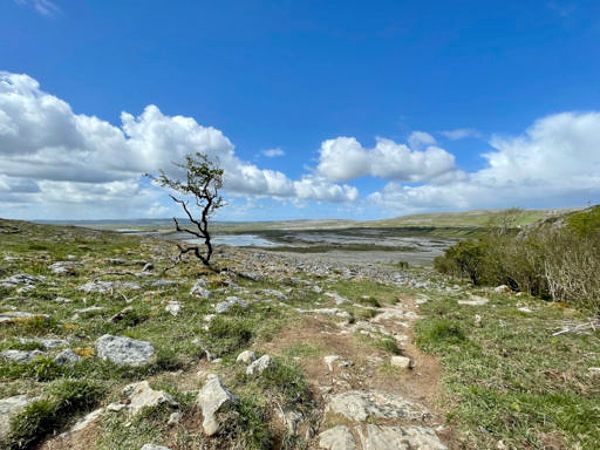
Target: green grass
pixel 510 379
pixel 61 400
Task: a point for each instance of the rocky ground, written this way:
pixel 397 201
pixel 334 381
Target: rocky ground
pixel 100 348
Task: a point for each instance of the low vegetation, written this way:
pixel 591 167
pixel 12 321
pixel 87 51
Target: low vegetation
pixel 556 259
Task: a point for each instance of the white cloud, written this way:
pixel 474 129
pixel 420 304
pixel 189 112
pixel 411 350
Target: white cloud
pixel 69 156
pixel 43 7
pixel 273 152
pixel 461 133
pixel 419 139
pixel 555 162
pixel 344 158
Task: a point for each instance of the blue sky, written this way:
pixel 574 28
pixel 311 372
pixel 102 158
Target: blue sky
pixel 516 80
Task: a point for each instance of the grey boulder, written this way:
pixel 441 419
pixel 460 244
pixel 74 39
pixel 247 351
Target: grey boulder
pixel 124 351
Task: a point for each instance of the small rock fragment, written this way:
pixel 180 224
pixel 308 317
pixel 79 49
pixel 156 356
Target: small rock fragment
pixel 246 357
pixel 214 397
pixel 199 289
pixel 141 396
pixel 260 365
pixel 67 356
pixel 502 289
pixel 173 307
pixel 402 362
pixel 229 302
pixel 154 447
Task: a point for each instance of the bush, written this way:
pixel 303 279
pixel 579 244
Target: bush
pixel 558 261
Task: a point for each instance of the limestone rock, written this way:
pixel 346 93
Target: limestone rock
pixel 16 316
pixel 326 312
pixel 474 300
pixel 276 294
pixel 337 438
pixel 229 302
pixel 67 356
pixel 401 361
pixel 291 420
pixel 260 365
pixel 141 396
pixel 502 289
pixel 246 357
pixel 64 267
pixel 214 397
pixel 20 356
pixel 124 351
pixel 199 289
pixel 339 300
pixel 173 307
pixel 154 447
pixel 10 407
pixel 106 287
pixel 100 287
pixel 21 279
pixel 361 405
pixel 87 420
pixel 331 360
pixel 377 437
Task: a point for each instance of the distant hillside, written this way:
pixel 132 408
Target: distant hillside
pixel 480 218
pixel 467 219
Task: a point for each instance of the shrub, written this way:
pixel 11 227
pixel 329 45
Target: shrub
pixel 558 261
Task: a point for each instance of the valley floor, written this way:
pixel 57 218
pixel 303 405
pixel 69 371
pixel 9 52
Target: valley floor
pixel 101 349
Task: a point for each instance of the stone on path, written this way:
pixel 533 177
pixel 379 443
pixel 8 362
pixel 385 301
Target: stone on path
pixel 376 437
pixel 337 438
pixel 260 365
pixel 10 407
pixel 246 357
pixel 141 396
pixel 331 360
pixel 326 312
pixel 124 351
pixel 401 361
pixel 362 405
pixel 214 397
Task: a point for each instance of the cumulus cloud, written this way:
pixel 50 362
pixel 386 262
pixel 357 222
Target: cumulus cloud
pixel 555 161
pixel 43 143
pixel 273 152
pixel 420 139
pixel 344 158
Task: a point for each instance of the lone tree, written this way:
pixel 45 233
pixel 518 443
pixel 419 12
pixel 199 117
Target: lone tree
pixel 203 180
